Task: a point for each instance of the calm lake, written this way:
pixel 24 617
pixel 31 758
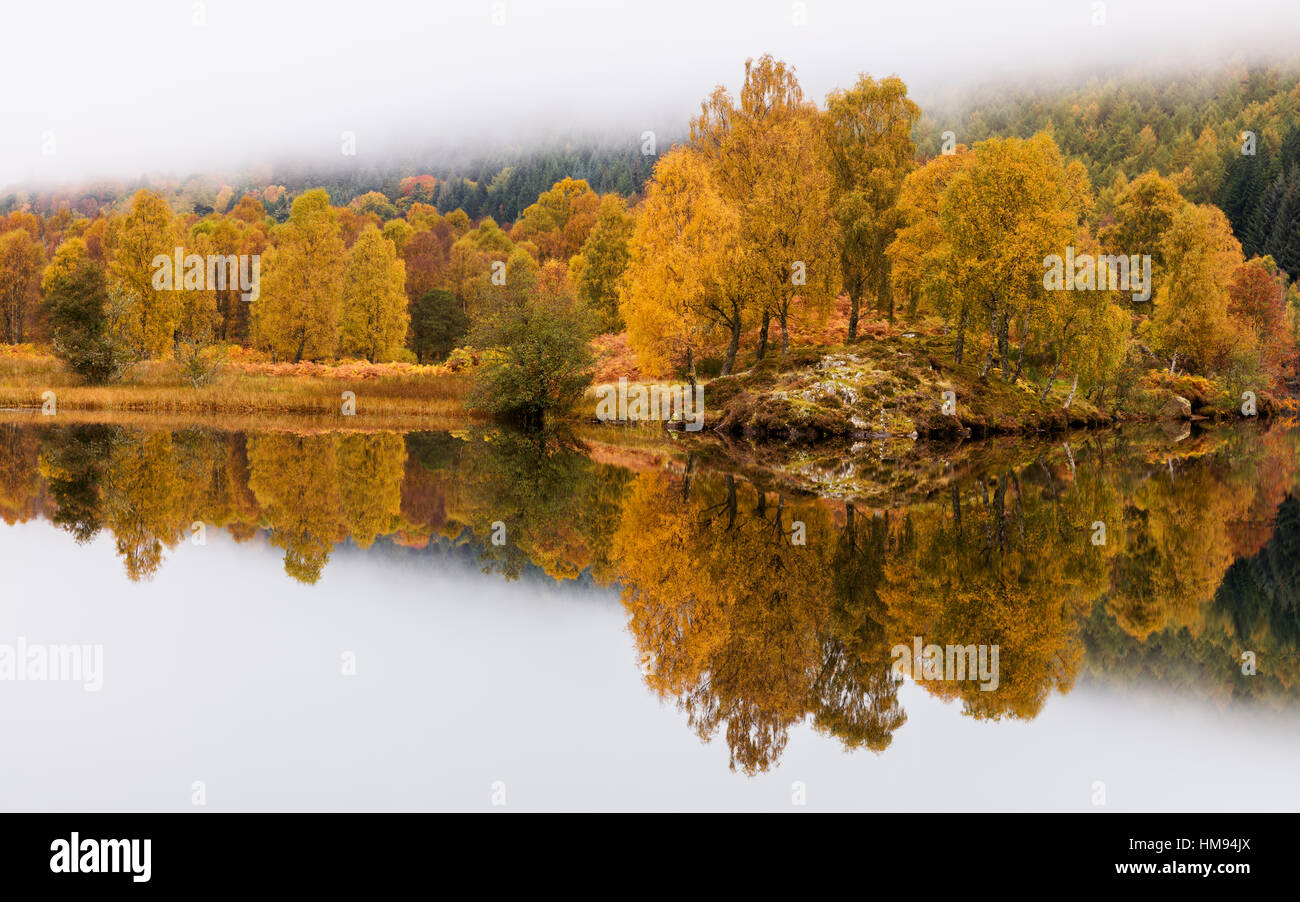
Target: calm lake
pixel 352 620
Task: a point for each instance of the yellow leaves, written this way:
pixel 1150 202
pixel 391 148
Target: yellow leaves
pixel 766 157
pixel 374 317
pixel 316 489
pixel 738 224
pixel 22 259
pixel 597 271
pixel 399 232
pixel 726 609
pixel 681 260
pixel 146 232
pixel 370 496
pixel 1144 210
pixel 1015 204
pixel 297 313
pixel 920 254
pixel 561 219
pixel 1080 188
pixel 867 133
pixel 1192 305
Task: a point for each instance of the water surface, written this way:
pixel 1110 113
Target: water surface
pixel 373 620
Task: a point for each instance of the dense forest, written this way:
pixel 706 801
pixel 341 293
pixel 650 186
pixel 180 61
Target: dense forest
pixel 773 218
pixel 1230 137
pixel 499 184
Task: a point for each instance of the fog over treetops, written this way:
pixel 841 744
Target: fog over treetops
pixel 226 86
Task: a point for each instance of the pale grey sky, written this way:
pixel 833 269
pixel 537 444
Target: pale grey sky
pixel 126 88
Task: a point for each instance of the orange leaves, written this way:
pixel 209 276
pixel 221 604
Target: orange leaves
pixel 561 219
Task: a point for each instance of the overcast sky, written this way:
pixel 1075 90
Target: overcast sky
pixel 137 86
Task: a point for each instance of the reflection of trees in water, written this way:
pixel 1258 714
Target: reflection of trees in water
pixel 1255 608
pixel 855 697
pixel 74 463
pixel 1261 594
pixel 1005 559
pixel 749 632
pixel 746 628
pixel 296 482
pixel 317 490
pixel 21 484
pixel 556 505
pixel 144 488
pixel 148 488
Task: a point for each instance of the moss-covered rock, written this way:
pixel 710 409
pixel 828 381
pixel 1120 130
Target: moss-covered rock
pixel 888 387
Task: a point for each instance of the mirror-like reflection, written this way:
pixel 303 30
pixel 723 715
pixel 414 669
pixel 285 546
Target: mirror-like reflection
pixel 1118 559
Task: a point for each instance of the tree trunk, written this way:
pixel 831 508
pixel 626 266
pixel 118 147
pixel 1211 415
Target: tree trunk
pixel 1173 363
pixel 732 503
pixel 690 368
pixel 883 289
pixel 785 332
pixel 1020 507
pixel 762 335
pixel 1020 353
pixel 733 345
pixel 1056 368
pixel 1020 358
pixel 1073 389
pixel 1004 346
pixel 855 301
pixel 993 343
pixel 960 347
pixel 1000 503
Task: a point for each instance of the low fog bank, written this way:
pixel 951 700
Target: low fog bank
pixel 231 85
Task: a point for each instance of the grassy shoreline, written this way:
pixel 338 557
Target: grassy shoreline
pixel 400 394
pixel 885 387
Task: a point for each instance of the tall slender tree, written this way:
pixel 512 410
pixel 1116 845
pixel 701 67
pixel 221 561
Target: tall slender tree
pixel 375 316
pixel 297 312
pixel 868 138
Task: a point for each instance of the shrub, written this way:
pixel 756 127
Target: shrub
pixel 543 360
pixel 86 324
